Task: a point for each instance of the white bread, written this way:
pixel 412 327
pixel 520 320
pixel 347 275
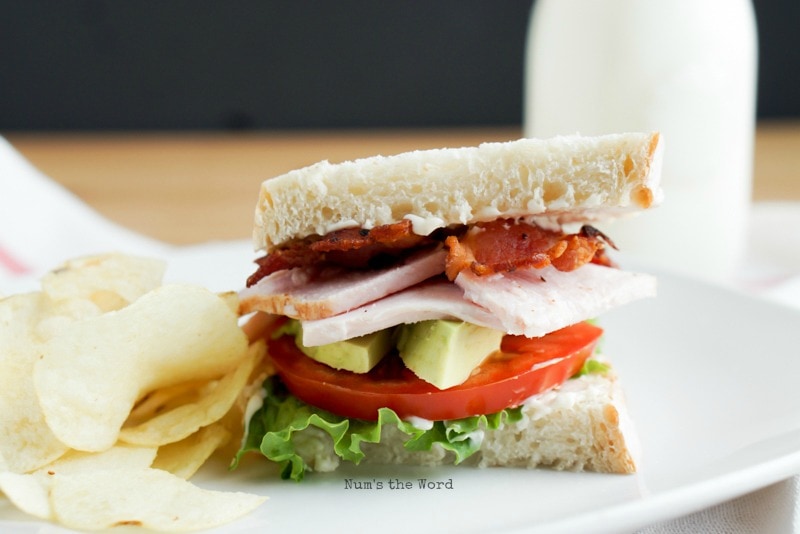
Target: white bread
pixel 570 178
pixel 581 426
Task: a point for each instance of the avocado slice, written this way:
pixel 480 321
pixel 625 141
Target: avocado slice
pixel 444 352
pixel 358 355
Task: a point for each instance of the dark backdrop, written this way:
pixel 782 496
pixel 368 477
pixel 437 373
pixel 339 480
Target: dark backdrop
pixel 185 64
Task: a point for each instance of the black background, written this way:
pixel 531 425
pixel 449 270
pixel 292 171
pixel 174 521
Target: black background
pixel 246 64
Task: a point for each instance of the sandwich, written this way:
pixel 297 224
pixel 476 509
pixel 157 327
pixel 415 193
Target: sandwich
pixel 445 306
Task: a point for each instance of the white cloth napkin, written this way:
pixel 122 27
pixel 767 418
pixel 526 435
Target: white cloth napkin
pixel 42 224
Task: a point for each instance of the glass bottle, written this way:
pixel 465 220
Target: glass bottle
pixel 686 68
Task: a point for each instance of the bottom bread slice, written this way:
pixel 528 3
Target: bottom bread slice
pixel 581 426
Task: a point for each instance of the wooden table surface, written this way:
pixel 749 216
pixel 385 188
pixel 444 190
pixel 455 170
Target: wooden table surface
pixel 193 187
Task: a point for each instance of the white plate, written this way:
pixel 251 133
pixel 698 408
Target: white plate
pixel 710 377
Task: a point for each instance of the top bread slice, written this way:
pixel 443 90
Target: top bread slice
pixel 566 178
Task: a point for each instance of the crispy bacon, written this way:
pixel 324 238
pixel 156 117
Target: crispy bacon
pixel 356 248
pixel 399 235
pixel 506 245
pixel 485 248
pixel 360 248
pixel 295 255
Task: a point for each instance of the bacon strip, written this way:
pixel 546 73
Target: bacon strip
pixel 486 248
pixel 505 246
pixel 356 248
pixel 399 235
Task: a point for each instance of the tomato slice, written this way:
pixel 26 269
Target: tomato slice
pixel 523 368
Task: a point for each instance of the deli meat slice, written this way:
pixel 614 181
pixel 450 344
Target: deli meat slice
pixel 438 299
pixel 530 302
pixel 306 293
pixel 533 302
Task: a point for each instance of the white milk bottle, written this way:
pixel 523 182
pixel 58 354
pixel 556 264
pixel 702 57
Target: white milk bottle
pixel 686 68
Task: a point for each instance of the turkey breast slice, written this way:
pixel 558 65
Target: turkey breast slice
pixel 533 302
pixel 302 294
pixel 529 302
pixel 432 300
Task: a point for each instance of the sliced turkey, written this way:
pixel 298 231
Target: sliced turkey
pixel 307 293
pixel 533 302
pixel 432 300
pixel 529 302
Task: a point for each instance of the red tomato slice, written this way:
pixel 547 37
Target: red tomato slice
pixel 524 368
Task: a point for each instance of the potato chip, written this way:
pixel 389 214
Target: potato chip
pixel 163 400
pixel 26 442
pixel 110 281
pixel 29 493
pixel 118 456
pixel 56 317
pixel 214 401
pixel 89 286
pixel 89 378
pixel 150 498
pixel 235 419
pixel 185 457
pixel 100 346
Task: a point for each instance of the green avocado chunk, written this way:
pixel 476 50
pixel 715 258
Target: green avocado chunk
pixel 358 355
pixel 444 353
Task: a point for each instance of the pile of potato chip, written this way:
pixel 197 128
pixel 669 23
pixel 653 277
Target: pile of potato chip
pixel 114 390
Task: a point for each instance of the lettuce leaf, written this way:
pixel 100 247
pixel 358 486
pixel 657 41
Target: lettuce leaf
pixel 592 366
pixel 272 428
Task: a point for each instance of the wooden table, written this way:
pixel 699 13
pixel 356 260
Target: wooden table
pixel 194 187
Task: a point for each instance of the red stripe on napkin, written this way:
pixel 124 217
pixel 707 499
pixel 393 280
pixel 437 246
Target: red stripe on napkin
pixel 10 264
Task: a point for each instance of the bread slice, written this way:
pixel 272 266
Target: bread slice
pixel 581 426
pixel 570 178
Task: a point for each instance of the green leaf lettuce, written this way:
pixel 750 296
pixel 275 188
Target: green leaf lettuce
pixel 271 430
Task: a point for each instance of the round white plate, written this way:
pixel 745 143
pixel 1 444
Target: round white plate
pixel 711 381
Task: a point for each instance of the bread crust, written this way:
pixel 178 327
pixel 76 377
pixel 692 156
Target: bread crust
pixel 567 178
